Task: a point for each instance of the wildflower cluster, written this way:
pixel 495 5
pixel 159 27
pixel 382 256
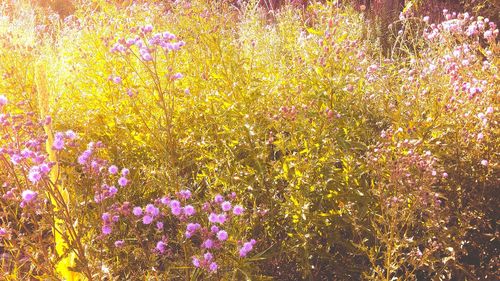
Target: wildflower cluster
pixel 96 167
pixel 147 43
pixel 205 227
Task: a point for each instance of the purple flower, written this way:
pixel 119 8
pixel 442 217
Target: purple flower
pixel 117 79
pixel 226 206
pixel 189 210
pixel 176 211
pixel 147 28
pixel 165 200
pixel 213 267
pixel 247 247
pixel 58 144
pixel 28 196
pixel 85 156
pixel 70 135
pixel 26 153
pixel 122 181
pixel 125 172
pixel 112 190
pixel 484 162
pixel 177 76
pixel 113 169
pixel 192 227
pixel 119 243
pixel 106 217
pixel 147 219
pixel 160 246
pixel 221 218
pixel 137 211
pixel 213 218
pixel 218 198
pixel 34 174
pixel 238 210
pixel 3 100
pixel 44 168
pixel 146 56
pixel 196 262
pixel 243 253
pixel 185 194
pixel 208 256
pixel 159 225
pixel 16 159
pixel 175 204
pixel 214 229
pixel 152 210
pixel 106 229
pixel 222 235
pixel 208 244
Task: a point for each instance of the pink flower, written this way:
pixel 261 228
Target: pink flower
pixel 189 210
pixel 29 195
pixel 176 211
pixel 147 219
pixel 222 235
pixel 221 218
pixel 226 206
pixel 213 218
pixel 106 229
pixel 238 210
pixel 175 204
pixel 117 79
pixel 137 211
pixel 146 56
pixel 106 217
pixel 152 210
pixel 247 247
pixel 147 28
pixel 119 243
pixel 70 135
pixel 208 244
pixel 160 246
pixel 208 256
pixel 58 143
pixel 177 76
pixel 34 174
pixel 113 169
pixel 125 172
pixel 218 198
pixel 214 229
pixel 484 162
pixel 185 194
pixel 122 181
pixel 213 267
pixel 192 227
pixel 196 262
pixel 159 225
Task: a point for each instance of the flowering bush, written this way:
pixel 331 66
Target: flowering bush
pixel 201 140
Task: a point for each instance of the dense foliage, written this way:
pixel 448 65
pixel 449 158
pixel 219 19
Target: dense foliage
pixel 204 140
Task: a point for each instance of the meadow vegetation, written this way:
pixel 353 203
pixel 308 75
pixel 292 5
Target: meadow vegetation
pixel 207 140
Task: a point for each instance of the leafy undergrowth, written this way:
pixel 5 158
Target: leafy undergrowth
pixel 200 140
